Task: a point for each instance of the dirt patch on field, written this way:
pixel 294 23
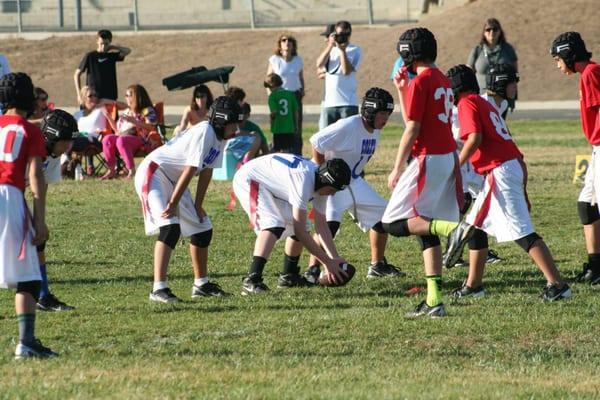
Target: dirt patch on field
pixel 530 26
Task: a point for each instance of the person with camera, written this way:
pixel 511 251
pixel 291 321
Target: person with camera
pixel 340 59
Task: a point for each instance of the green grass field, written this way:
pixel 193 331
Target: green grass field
pixel 339 343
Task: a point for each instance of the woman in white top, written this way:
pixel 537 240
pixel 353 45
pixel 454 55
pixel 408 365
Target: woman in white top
pixel 289 66
pixel 92 121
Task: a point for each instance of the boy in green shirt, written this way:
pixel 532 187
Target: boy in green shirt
pixel 284 116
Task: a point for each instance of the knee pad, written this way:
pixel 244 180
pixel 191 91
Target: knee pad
pixel 378 227
pixel 479 240
pixel 528 241
pixel 588 214
pixel 428 241
pixel 31 287
pixel 276 231
pixel 169 235
pixel 40 248
pixel 397 228
pixel 201 239
pixel 334 227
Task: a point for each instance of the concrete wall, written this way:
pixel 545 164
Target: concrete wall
pixel 157 14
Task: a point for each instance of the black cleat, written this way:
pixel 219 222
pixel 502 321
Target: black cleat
pixel 382 269
pixel 312 274
pixel 34 349
pixel 424 309
pixel 164 296
pixel 553 293
pixel 209 289
pixel 466 291
pixel 51 303
pixel 456 243
pixel 253 284
pixel 292 280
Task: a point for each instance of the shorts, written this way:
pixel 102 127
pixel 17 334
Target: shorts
pixel 429 187
pixel 501 208
pixel 264 210
pixel 154 190
pixel 591 187
pixel 366 207
pixel 18 256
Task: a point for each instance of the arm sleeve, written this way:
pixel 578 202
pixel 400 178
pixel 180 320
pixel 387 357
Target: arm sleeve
pixel 272 103
pixel 591 83
pixel 356 58
pixel 329 138
pixel 472 57
pixel 116 56
pixel 83 65
pixel 417 100
pixel 468 119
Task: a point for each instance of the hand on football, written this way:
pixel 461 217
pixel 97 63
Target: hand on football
pixel 335 271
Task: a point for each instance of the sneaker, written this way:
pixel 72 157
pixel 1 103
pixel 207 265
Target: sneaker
pixel 456 242
pixel 33 350
pixel 492 257
pixel 424 309
pixel 207 290
pixel 466 291
pixel 312 274
pixel 588 276
pixel 552 293
pixel 50 303
pixel 382 269
pixel 164 296
pixel 461 263
pixel 292 280
pixel 253 284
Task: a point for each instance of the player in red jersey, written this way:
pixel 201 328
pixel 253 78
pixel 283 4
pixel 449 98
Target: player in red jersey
pixel 426 192
pixel 501 209
pixel 571 56
pixel 22 149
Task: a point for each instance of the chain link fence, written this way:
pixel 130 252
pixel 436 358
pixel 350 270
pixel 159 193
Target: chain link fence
pixel 91 15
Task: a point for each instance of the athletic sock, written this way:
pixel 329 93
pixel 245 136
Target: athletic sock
pixel 434 290
pixel 44 289
pixel 159 285
pixel 200 281
pixel 441 228
pixel 290 264
pixel 594 262
pixel 257 266
pixel 26 328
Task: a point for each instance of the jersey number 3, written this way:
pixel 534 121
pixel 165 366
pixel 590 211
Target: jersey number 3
pixel 11 139
pixel 447 96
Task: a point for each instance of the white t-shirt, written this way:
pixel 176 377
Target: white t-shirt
pixel 287 177
pixel 349 140
pixel 288 71
pixel 340 89
pixel 199 148
pixel 51 168
pixel 94 122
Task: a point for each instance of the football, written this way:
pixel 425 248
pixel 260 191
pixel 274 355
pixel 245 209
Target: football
pixel 325 281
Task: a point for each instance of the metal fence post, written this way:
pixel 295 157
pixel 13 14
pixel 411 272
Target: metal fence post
pixel 136 22
pixel 370 10
pixel 61 11
pixel 19 17
pixel 252 15
pixel 78 15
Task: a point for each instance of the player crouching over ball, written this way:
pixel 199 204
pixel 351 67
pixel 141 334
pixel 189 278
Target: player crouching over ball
pixel 275 190
pixel 501 208
pixel 170 210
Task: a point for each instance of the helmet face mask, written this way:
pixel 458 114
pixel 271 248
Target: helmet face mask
pixel 334 173
pixel 58 126
pixel 500 77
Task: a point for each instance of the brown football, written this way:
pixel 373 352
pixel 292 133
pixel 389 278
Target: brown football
pixel 324 277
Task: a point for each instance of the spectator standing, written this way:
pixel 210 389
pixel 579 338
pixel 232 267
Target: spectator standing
pixel 341 60
pixel 100 67
pixel 284 116
pixel 289 66
pixel 492 49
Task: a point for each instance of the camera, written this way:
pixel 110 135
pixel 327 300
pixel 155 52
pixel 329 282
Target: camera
pixel 341 38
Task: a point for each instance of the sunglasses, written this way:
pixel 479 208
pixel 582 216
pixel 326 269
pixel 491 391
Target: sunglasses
pixel 92 95
pixel 492 29
pixel 284 39
pixel 128 95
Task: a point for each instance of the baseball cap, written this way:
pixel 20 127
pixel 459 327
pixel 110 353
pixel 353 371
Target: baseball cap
pixel 329 29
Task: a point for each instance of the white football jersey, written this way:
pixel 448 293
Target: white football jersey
pixel 199 148
pixel 287 177
pixel 51 169
pixel 349 140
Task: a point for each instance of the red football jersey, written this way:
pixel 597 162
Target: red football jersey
pixel 477 115
pixel 589 100
pixel 19 141
pixel 430 102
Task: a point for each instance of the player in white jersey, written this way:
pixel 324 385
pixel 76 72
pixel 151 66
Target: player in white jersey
pixel 58 127
pixel 354 140
pixel 275 191
pixel 169 208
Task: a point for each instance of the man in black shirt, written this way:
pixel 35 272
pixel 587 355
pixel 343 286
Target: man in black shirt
pixel 100 66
